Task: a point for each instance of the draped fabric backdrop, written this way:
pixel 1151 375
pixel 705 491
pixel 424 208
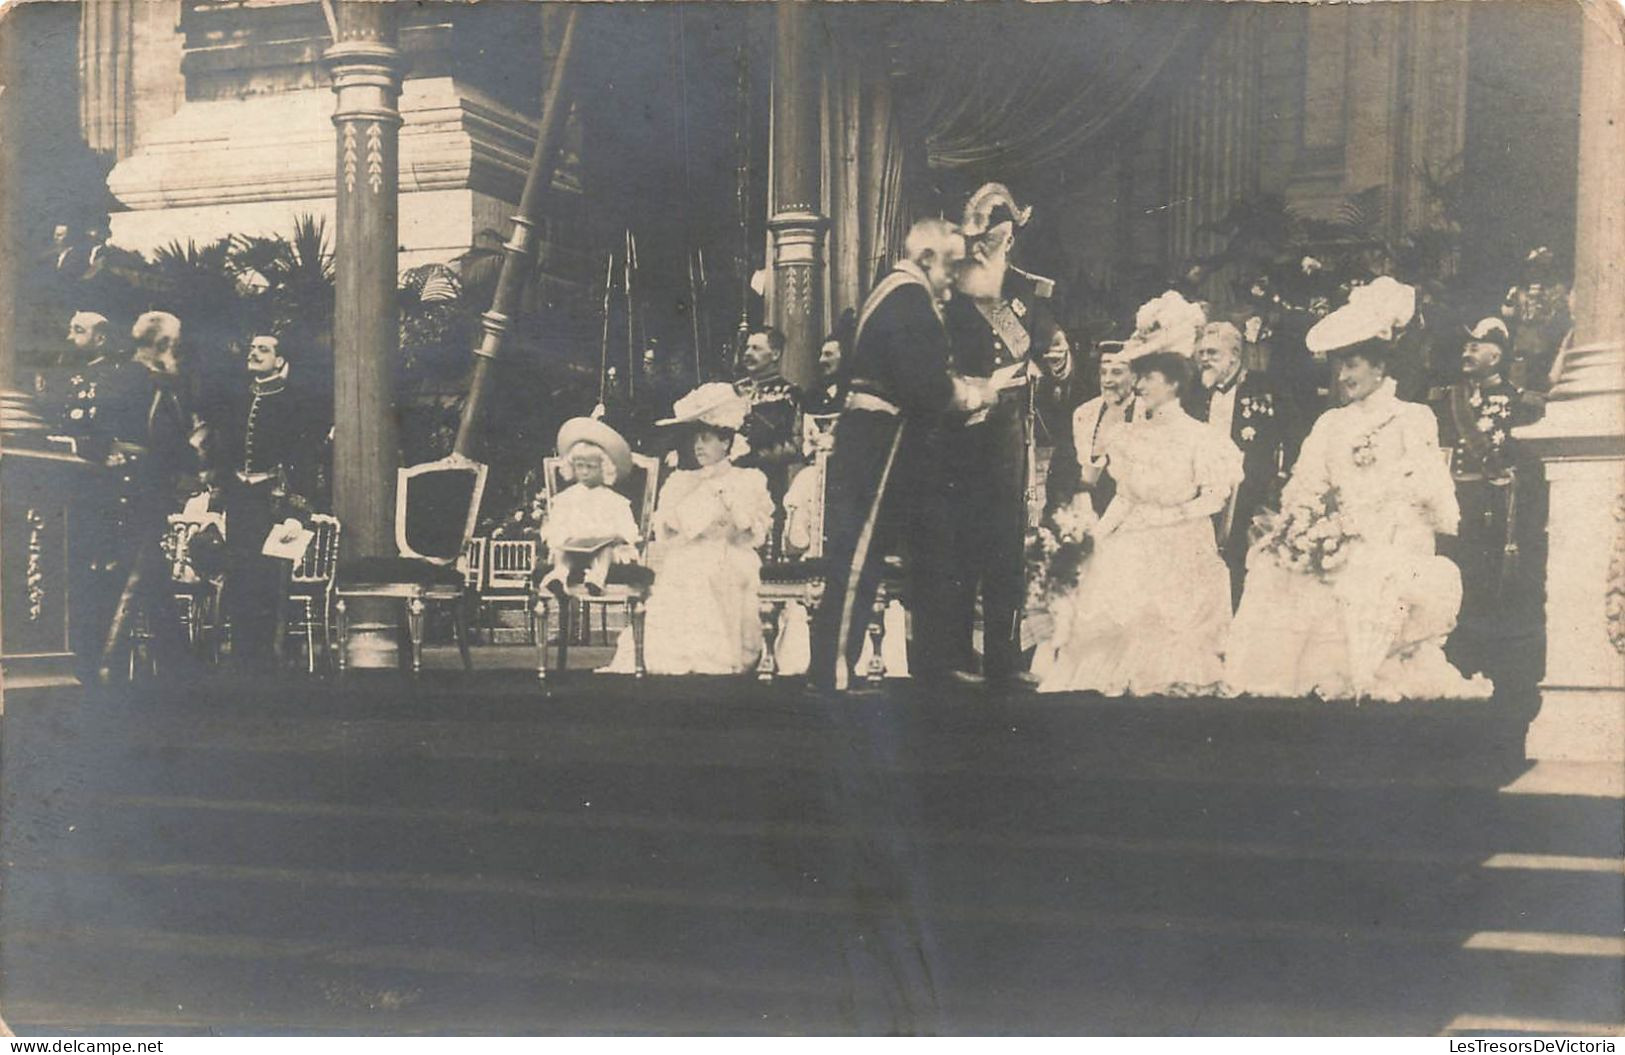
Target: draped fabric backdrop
pixel 922 105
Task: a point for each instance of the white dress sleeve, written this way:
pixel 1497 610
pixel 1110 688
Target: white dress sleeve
pixel 752 506
pixel 1218 472
pixel 1433 489
pixel 1310 476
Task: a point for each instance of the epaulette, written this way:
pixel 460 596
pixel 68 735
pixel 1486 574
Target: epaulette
pixel 1042 287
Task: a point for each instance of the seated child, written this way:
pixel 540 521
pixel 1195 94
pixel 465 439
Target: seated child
pixel 589 525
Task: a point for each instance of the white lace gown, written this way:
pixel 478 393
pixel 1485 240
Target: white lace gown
pixel 1152 605
pixel 702 615
pixel 1376 627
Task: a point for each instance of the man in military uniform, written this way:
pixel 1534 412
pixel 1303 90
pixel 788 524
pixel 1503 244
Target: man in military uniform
pixel 86 373
pixel 268 470
pixel 991 326
pixel 1476 416
pixel 151 448
pixel 773 425
pixel 886 474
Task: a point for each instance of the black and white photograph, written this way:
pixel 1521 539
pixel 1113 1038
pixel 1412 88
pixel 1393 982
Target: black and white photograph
pixel 794 518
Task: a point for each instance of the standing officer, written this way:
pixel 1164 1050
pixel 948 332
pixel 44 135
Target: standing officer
pixel 151 445
pixel 992 326
pixel 269 467
pixel 885 487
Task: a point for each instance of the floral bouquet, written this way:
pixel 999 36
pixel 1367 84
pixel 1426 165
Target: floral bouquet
pixel 1309 537
pixel 1057 549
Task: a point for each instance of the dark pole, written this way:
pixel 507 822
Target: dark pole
pixel 797 224
pixel 519 252
pixel 366 68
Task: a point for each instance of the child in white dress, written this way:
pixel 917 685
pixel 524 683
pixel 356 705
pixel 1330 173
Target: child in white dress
pixel 589 525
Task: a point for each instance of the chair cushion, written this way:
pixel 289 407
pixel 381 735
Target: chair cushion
pixel 794 570
pixel 357 571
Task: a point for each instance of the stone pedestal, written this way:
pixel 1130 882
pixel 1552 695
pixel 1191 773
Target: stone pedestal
pixel 249 166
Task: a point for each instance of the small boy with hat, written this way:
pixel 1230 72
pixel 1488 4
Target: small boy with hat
pixel 589 524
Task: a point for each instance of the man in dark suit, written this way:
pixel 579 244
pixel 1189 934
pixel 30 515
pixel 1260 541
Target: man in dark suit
pixel 1057 395
pixel 773 425
pixel 992 324
pixel 886 474
pixel 1258 419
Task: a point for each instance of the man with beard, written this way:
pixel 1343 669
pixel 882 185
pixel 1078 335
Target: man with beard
pixel 1098 420
pixel 151 447
pixel 886 487
pixel 991 326
pixel 269 463
pixel 1244 407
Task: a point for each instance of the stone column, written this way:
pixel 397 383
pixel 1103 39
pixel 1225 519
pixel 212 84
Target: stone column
pixel 107 96
pixel 366 70
pixel 796 223
pixel 1582 439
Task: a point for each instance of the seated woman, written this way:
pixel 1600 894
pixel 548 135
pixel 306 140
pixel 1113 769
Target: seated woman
pixel 1152 604
pixel 702 612
pixel 1349 598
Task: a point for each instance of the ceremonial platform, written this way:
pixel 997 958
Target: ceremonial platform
pixel 461 854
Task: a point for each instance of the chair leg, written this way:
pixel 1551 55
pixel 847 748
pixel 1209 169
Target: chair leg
pixel 341 618
pixel 766 668
pixel 566 628
pixel 538 634
pixel 634 611
pixel 877 637
pixel 414 630
pixel 459 626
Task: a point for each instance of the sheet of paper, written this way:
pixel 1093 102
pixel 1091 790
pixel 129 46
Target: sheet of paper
pixel 287 540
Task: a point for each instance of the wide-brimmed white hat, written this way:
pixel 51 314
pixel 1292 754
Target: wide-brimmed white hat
pixel 1168 323
pixel 715 404
pixel 1376 311
pixel 595 432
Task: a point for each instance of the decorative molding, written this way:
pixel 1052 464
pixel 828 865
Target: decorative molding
pixel 35 575
pixel 349 157
pixel 375 156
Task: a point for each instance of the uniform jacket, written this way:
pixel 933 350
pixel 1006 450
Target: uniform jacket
pixel 272 426
pixel 1263 426
pixel 902 354
pixel 1475 426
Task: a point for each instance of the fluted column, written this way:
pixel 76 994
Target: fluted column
pixel 107 74
pixel 1582 438
pixel 366 69
pixel 797 224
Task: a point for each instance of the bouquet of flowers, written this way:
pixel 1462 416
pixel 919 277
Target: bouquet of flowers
pixel 1309 537
pixel 1057 549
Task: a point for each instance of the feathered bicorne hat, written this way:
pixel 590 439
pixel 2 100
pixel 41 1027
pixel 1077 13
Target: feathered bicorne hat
pixel 990 206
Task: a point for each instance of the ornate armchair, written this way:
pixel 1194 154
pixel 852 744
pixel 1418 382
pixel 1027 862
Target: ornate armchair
pixel 800 579
pixel 628 583
pixel 435 508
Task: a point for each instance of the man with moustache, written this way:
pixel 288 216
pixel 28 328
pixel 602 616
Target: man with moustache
pixel 992 325
pixel 1098 420
pixel 1476 416
pixel 269 468
pixel 1247 409
pixel 773 425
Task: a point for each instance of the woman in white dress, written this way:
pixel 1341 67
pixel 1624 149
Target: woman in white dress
pixel 702 615
pixel 1374 624
pixel 1152 605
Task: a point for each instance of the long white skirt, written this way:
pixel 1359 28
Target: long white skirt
pixel 1147 618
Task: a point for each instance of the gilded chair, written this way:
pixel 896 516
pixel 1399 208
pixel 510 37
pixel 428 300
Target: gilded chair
pixel 436 504
pixel 310 589
pixel 628 584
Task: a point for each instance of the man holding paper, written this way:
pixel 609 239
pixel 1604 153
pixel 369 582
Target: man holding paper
pixel 270 455
pixel 1002 319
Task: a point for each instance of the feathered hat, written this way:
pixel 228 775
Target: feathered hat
pixel 1378 310
pixel 715 404
pixel 990 206
pixel 1169 323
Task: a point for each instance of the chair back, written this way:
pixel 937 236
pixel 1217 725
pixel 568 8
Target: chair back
pixel 509 564
pixel 812 513
pixel 322 555
pixel 436 504
pixel 177 542
pixel 473 564
pixel 817 432
pixel 640 487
